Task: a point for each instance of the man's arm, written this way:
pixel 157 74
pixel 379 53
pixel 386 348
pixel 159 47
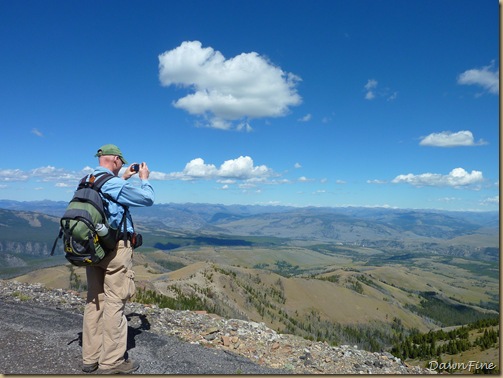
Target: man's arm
pixel 131 195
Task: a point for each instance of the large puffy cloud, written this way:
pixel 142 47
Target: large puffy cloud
pixel 242 169
pixel 456 178
pixel 226 90
pixel 196 168
pixel 484 77
pixel 450 139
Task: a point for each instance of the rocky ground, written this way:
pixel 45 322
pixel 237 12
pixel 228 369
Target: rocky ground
pixel 254 341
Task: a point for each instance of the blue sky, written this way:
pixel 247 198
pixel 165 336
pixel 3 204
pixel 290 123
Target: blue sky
pixel 289 102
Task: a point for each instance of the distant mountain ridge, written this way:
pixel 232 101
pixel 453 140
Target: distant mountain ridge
pixel 345 223
pixel 455 233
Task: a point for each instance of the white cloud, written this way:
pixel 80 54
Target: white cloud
pixel 306 118
pixel 371 91
pixel 369 95
pixel 376 181
pixel 247 186
pixel 8 175
pixel 450 139
pixel 62 177
pixel 371 84
pixel 456 178
pixel 486 77
pixel 393 96
pixel 37 132
pixel 449 199
pixel 198 169
pixel 304 179
pixel 50 173
pixel 241 168
pixel 246 86
pixel 297 165
pixel 491 200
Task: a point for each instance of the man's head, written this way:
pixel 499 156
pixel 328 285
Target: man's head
pixel 111 157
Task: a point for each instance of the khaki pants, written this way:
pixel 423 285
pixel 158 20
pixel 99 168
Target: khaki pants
pixel 109 285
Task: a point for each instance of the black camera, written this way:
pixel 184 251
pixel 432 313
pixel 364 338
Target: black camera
pixel 136 167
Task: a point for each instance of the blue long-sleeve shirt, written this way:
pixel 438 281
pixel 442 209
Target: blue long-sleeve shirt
pixel 126 194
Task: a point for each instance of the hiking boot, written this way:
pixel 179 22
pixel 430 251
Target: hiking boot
pixel 127 367
pixel 89 368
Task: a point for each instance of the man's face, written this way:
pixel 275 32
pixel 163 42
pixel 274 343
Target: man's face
pixel 117 165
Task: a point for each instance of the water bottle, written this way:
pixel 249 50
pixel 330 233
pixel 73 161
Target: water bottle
pixel 107 241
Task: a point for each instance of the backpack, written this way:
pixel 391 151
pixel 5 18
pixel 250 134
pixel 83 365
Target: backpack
pixel 85 212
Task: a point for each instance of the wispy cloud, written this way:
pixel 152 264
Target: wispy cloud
pixel 371 91
pixel 12 175
pixel 450 139
pixel 306 118
pixel 37 132
pixel 241 169
pixel 227 93
pixel 486 77
pixel 304 179
pixel 393 96
pixel 369 87
pixel 449 199
pixel 491 200
pixel 458 177
pixel 60 176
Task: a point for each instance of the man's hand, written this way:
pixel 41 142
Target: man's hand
pixel 129 172
pixel 144 172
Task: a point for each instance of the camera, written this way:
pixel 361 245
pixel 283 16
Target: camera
pixel 135 167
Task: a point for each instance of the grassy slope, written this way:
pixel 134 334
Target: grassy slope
pixel 391 285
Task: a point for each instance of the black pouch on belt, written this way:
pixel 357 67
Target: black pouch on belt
pixel 136 240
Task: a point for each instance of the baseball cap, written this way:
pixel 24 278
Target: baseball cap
pixel 110 149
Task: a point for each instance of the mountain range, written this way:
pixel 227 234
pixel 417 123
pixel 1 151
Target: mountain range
pixel 337 272
pixel 454 233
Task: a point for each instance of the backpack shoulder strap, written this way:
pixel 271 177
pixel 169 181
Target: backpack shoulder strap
pixel 101 178
pixel 94 181
pixel 84 182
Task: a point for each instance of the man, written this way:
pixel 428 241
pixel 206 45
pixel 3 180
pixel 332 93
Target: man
pixel 110 283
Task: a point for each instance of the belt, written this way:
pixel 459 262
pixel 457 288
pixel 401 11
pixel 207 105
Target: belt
pixel 129 236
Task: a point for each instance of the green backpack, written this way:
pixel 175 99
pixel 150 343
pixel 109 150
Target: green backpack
pixel 84 213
